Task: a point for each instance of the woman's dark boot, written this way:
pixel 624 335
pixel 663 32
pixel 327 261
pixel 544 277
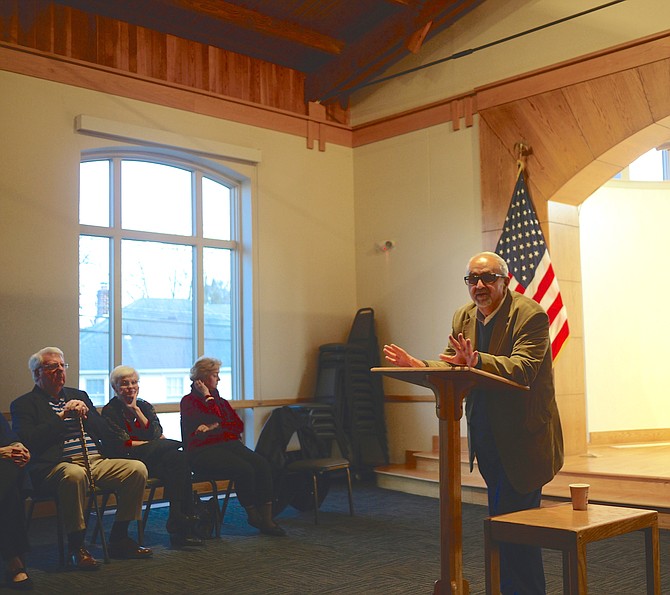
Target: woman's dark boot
pixel 268 525
pixel 253 517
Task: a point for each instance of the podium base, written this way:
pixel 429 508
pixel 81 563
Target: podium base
pixel 443 588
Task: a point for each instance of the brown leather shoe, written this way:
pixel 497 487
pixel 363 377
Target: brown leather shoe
pixel 82 559
pixel 128 548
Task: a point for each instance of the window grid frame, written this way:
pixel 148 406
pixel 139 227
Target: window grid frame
pixel 116 234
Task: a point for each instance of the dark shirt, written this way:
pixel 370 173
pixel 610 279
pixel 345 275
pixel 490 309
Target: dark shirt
pixel 7 435
pixel 125 430
pixel 42 432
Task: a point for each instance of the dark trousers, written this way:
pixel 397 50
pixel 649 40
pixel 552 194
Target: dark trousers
pixel 251 473
pixel 165 461
pixel 13 535
pixel 521 567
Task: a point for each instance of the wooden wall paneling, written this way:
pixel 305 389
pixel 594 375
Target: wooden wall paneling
pixel 214 82
pixel 152 54
pixel 192 63
pixel 498 175
pixel 62 30
pixel 235 75
pixel 254 68
pixel 44 26
pixel 655 79
pixel 603 109
pixel 559 150
pixel 112 43
pixel 8 22
pixel 27 15
pixel 183 62
pixel 50 27
pixel 132 48
pixel 201 57
pixel 546 124
pixel 84 41
pixel 173 66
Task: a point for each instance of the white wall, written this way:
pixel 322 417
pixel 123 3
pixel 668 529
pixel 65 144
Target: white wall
pixel 420 190
pixel 624 230
pixel 304 275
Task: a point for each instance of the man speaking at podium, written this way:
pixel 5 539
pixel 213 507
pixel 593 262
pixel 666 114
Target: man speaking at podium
pixel 516 438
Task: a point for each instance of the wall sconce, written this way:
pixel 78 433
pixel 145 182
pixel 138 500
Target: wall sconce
pixel 386 245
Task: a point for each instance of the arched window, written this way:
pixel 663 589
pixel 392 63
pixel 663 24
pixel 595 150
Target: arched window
pixel 159 272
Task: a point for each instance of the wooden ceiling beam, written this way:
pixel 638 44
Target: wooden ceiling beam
pixel 210 22
pixel 260 23
pixel 412 3
pixel 381 47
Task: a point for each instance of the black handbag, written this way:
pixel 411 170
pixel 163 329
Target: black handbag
pixel 206 512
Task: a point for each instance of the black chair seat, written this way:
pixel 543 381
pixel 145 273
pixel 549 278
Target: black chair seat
pixel 318 465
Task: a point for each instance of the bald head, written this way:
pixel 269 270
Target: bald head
pixel 488 290
pixel 495 262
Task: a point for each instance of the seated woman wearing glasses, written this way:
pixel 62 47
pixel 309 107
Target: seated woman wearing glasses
pixel 138 434
pixel 211 432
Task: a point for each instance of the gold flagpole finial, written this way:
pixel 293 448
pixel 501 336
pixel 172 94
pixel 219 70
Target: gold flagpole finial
pixel 522 151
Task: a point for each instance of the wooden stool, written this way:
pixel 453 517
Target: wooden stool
pixel 561 528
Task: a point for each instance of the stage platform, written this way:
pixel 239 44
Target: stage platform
pixel 635 475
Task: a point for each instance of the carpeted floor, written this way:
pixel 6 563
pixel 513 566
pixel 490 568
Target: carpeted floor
pixel 390 547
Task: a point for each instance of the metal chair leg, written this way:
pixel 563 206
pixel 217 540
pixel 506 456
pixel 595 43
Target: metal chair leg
pixel 316 497
pixel 351 498
pixel 217 519
pixel 147 508
pixel 93 503
pixel 59 533
pixel 103 507
pixel 226 497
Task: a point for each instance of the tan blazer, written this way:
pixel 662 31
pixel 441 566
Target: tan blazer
pixel 526 424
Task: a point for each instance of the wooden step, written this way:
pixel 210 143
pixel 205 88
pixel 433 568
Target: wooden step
pixel 630 475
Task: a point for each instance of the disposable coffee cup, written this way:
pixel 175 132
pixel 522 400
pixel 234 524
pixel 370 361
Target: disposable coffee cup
pixel 579 493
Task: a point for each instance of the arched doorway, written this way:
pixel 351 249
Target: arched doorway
pixel 584 122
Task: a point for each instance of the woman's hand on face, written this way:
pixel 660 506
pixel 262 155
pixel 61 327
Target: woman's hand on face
pixel 199 385
pixel 130 403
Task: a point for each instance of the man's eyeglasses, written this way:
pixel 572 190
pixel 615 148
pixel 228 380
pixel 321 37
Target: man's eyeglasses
pixel 485 278
pixel 55 366
pixel 129 383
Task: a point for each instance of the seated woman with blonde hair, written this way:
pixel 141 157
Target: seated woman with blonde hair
pixel 138 434
pixel 211 432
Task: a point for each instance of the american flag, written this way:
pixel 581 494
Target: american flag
pixel 522 246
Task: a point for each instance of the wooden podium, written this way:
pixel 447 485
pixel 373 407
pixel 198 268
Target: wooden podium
pixel 450 385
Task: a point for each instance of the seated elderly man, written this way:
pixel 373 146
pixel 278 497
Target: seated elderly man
pixel 47 419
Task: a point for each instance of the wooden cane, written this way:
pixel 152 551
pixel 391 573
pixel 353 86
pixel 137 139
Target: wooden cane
pixel 91 487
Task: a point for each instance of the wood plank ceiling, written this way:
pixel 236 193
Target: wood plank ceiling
pixel 337 44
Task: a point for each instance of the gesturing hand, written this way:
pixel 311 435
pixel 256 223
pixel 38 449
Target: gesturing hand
pixel 399 357
pixel 465 355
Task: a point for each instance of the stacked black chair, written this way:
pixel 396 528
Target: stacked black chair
pixel 350 399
